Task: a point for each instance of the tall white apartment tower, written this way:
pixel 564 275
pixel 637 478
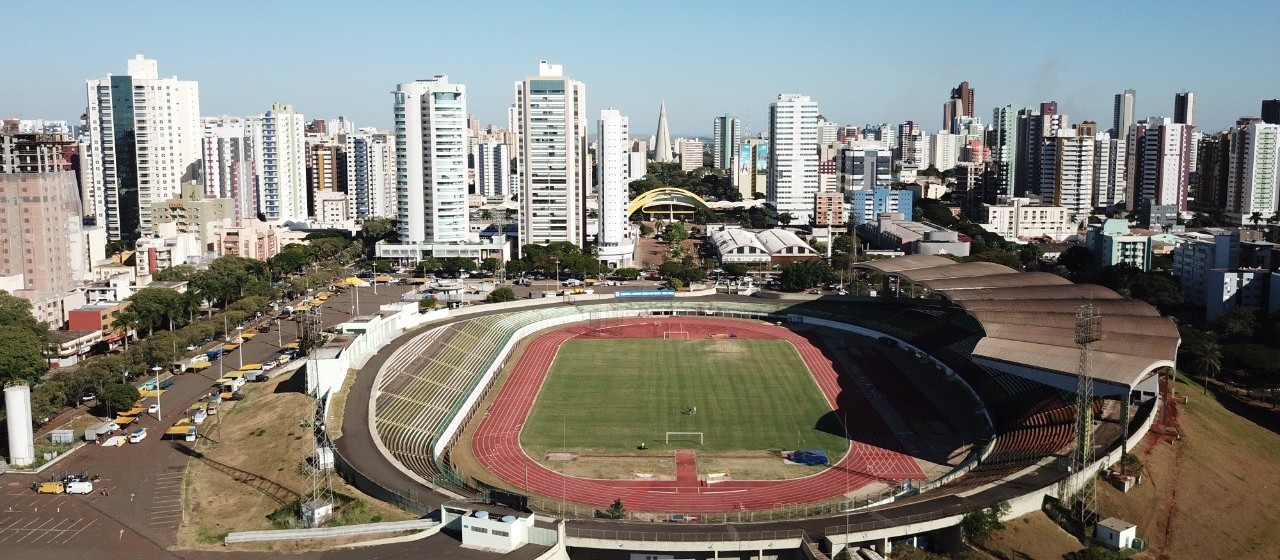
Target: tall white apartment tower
pixel 493 168
pixel 793 156
pixel 551 127
pixel 614 243
pixel 1165 158
pixel 280 153
pixel 431 161
pixel 1069 171
pixel 371 177
pixel 1252 183
pixel 144 142
pixel 228 165
pixel 1123 115
pixel 1109 154
pixel 726 141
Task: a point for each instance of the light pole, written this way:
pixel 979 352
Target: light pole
pixel 159 414
pixel 240 345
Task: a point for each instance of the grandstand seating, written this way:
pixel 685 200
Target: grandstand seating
pixel 900 393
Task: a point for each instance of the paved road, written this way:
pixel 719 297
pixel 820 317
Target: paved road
pixel 141 514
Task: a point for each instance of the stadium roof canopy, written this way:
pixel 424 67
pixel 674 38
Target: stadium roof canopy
pixel 1029 320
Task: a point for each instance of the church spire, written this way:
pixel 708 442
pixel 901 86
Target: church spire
pixel 662 145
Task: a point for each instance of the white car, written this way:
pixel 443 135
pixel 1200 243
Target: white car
pixel 153 409
pixel 283 359
pixel 270 365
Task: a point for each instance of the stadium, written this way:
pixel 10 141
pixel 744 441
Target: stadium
pixel 953 390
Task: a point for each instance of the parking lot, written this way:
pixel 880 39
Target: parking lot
pixel 140 514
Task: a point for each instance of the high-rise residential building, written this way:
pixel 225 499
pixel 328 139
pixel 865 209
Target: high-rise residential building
pixel 662 144
pixel 279 152
pixel 691 154
pixel 1210 187
pixel 1036 128
pixel 828 210
pixel 752 174
pixel 865 206
pixel 793 155
pixel 228 165
pixel 552 156
pixel 43 243
pixel 959 105
pixel 1252 183
pixel 431 161
pixel 1108 170
pixel 638 160
pixel 912 144
pixel 26 150
pixel 1271 111
pixel 1123 113
pixel 864 165
pixel 615 245
pixel 144 142
pixel 1184 108
pixel 326 171
pixel 1068 173
pixel 828 132
pixel 371 177
pixel 944 150
pixel 493 168
pixel 726 139
pixel 1004 148
pixel 1163 175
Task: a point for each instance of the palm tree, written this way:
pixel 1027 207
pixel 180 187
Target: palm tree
pixel 1206 360
pixel 125 321
pixel 1255 218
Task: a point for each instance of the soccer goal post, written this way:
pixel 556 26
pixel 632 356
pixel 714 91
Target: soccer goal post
pixel 684 436
pixel 676 335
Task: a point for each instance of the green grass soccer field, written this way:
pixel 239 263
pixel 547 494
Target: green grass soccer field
pixel 743 395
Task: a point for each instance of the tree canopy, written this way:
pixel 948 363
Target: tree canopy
pixel 500 294
pixel 801 275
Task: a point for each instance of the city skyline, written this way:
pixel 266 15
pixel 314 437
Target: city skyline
pixel 900 47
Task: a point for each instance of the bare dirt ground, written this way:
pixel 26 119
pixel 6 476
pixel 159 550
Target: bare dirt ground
pixel 1209 494
pixel 261 434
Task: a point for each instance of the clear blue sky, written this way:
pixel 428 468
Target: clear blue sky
pixel 863 62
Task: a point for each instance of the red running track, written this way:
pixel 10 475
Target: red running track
pixel 497 440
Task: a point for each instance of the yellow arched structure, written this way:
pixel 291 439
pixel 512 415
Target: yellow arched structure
pixel 666 200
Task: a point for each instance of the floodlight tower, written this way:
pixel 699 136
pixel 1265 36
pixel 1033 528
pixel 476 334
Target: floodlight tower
pixel 1088 332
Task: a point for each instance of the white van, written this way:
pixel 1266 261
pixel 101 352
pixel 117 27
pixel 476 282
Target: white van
pixel 79 487
pixel 138 435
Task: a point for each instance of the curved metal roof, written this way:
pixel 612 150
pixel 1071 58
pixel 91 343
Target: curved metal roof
pixel 1029 318
pixel 671 197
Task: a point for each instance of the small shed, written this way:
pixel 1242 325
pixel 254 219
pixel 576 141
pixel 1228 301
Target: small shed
pixel 1115 533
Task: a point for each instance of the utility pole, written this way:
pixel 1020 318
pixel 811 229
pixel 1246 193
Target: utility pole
pixel 159 412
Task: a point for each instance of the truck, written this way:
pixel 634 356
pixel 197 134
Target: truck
pixel 92 434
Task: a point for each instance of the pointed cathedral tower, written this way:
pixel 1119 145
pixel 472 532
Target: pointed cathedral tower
pixel 662 145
